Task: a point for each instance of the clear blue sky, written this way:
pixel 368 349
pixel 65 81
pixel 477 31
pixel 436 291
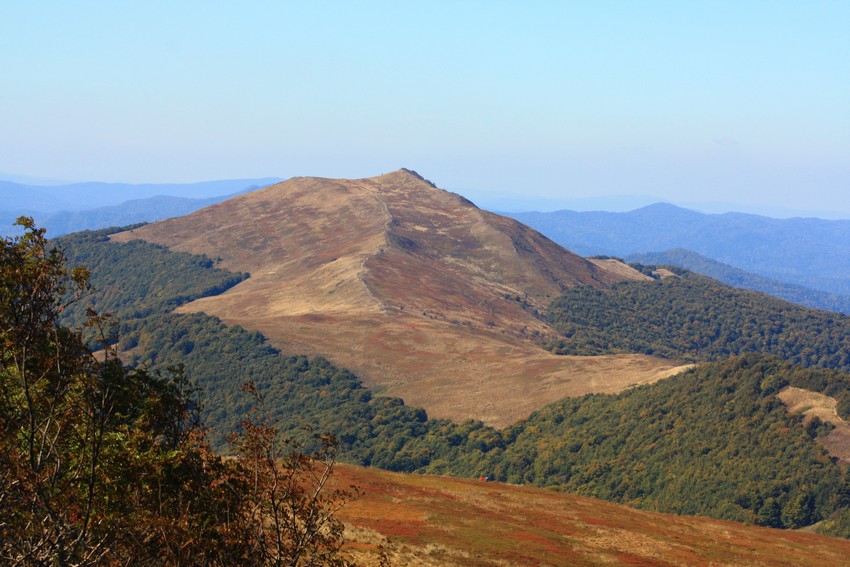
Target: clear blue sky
pixel 737 101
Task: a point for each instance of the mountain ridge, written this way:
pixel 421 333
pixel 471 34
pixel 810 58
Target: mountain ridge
pixel 414 288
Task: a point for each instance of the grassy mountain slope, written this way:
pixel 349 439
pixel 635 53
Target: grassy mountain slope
pixel 413 288
pixel 427 520
pixel 810 252
pixel 141 283
pixel 743 279
pixel 724 419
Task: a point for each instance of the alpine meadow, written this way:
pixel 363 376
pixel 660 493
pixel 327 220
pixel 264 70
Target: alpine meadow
pixel 444 284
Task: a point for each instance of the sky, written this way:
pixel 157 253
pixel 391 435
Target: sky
pixel 740 104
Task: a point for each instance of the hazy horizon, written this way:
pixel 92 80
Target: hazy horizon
pixel 499 203
pixel 702 102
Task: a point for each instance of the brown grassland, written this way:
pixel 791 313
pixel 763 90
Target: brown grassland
pixel 813 404
pixel 430 521
pixel 419 292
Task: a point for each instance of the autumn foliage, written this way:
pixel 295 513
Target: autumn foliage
pixel 105 465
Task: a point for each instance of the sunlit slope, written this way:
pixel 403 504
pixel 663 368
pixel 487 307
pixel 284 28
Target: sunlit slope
pixel 421 293
pixel 427 520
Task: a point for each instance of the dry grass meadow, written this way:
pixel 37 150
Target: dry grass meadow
pixel 422 294
pixel 429 521
pixel 813 404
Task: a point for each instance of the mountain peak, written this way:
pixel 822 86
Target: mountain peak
pixel 417 176
pixel 413 287
pixel 664 208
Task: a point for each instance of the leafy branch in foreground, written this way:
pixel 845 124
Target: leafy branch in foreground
pixel 292 512
pixel 101 465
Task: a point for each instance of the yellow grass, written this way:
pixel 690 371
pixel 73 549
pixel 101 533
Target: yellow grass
pixel 423 295
pixel 813 404
pixel 623 270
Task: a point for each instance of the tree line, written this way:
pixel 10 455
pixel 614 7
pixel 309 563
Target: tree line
pixel 716 441
pixel 695 318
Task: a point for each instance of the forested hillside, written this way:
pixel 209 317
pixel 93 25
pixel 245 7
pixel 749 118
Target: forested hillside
pixel 746 280
pixel 714 441
pixel 693 317
pixel 139 279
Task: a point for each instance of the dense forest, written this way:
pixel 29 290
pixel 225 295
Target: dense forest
pixel 714 441
pixel 139 279
pixel 693 317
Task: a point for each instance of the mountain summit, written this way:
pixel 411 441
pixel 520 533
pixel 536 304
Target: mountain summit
pixel 424 295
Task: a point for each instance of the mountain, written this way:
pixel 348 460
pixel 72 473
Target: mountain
pixel 809 252
pixel 712 441
pixel 425 296
pixel 91 195
pixel 724 439
pixel 63 209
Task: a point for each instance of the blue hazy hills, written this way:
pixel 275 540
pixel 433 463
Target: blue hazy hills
pixel 806 252
pixel 804 260
pixel 62 209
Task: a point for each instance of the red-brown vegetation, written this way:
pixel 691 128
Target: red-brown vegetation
pixel 427 520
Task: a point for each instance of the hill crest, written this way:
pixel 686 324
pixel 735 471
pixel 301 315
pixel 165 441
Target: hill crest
pixel 424 295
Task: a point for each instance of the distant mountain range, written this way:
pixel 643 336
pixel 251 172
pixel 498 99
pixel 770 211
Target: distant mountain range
pixel 63 209
pixel 743 279
pixel 808 252
pixel 804 260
